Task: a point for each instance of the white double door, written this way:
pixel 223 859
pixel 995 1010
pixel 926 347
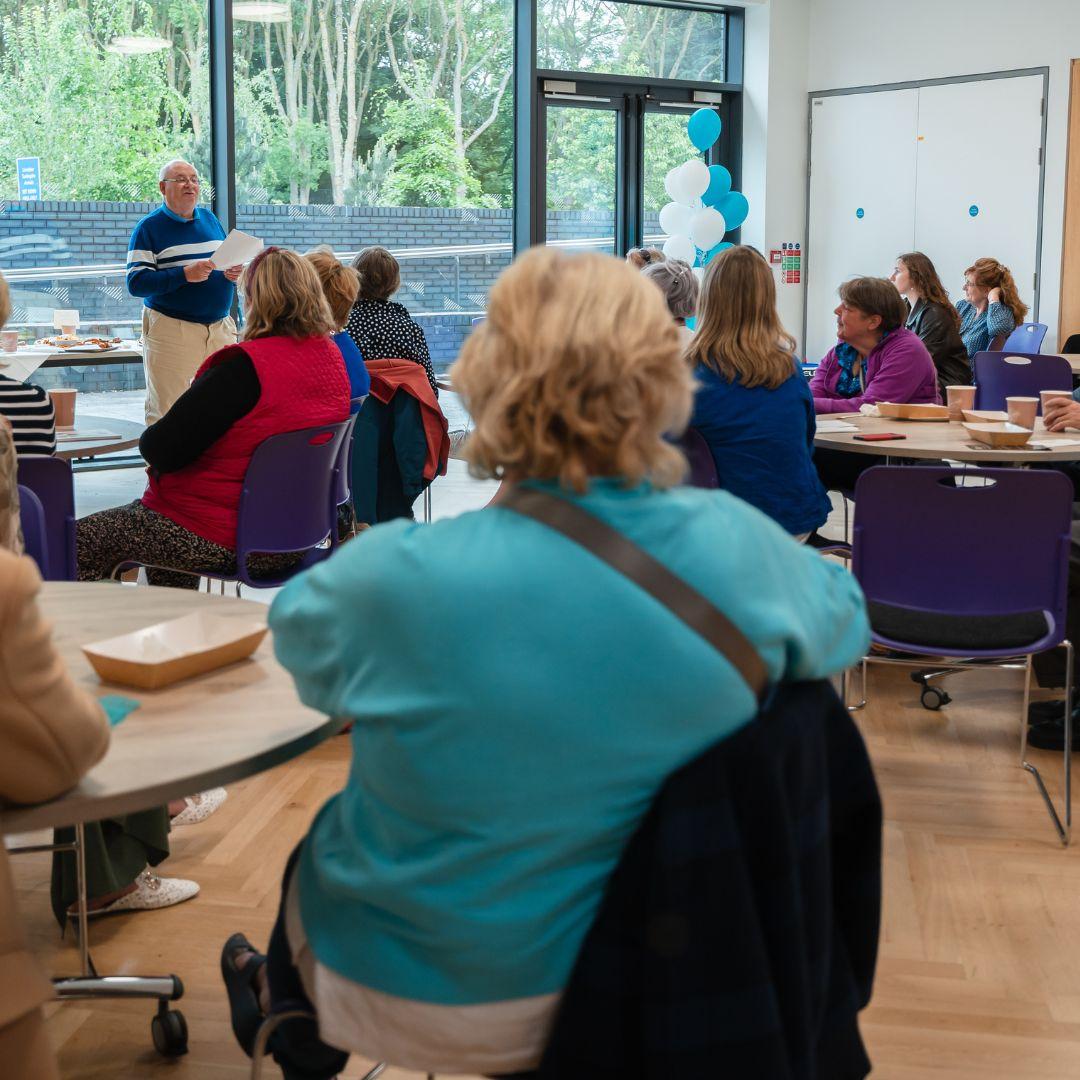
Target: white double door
pixel 952 170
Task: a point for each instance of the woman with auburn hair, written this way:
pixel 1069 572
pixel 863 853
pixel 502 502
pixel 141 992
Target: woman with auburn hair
pixel 753 405
pixel 933 318
pixel 991 309
pixel 435 909
pixel 340 286
pixel 284 374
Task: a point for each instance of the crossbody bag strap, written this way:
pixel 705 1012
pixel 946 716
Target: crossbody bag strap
pixel 621 554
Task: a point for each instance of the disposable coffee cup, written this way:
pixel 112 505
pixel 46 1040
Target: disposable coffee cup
pixel 1022 411
pixel 959 398
pixel 1046 395
pixel 63 401
pixel 9 340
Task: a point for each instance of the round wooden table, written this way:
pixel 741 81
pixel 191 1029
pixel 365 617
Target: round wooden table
pixel 127 434
pixel 938 439
pixel 201 733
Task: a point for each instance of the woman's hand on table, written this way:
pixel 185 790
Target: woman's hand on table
pixel 1060 413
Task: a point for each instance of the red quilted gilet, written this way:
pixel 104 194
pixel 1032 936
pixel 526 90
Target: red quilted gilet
pixel 303 384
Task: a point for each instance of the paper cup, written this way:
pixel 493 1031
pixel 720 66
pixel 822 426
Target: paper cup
pixel 9 340
pixel 1046 395
pixel 64 406
pixel 959 398
pixel 1022 410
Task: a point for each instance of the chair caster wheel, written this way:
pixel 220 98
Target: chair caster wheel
pixel 932 698
pixel 170 1033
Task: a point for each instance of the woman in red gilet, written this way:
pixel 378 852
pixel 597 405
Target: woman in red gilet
pixel 284 374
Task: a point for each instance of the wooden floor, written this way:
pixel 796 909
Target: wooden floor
pixel 979 975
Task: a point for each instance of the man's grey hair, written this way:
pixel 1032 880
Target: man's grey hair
pixel 680 287
pixel 169 164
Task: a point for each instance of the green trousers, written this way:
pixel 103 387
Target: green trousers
pixel 117 851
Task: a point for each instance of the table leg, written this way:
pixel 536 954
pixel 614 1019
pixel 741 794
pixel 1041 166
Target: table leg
pixel 80 884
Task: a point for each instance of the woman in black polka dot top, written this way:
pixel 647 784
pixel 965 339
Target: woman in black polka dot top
pixel 381 328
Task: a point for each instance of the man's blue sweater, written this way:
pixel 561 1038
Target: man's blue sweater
pixel 162 244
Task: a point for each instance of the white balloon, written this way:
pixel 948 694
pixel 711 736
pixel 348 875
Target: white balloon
pixel 670 183
pixel 707 228
pixel 675 219
pixel 680 247
pixel 694 179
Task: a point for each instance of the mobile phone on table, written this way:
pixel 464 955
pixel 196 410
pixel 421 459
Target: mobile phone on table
pixel 880 436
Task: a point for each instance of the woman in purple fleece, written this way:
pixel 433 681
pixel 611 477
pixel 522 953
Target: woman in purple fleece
pixel 875 359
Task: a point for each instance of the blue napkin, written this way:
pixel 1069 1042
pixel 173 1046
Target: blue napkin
pixel 117 707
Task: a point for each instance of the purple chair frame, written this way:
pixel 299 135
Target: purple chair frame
pixel 999 375
pixel 703 472
pixel 288 502
pixel 1001 547
pixel 34 529
pixel 1026 338
pixel 50 479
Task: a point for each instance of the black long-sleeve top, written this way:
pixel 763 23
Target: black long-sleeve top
pixel 936 327
pixel 202 414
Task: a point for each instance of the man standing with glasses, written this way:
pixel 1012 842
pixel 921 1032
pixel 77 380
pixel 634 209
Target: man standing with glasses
pixel 186 299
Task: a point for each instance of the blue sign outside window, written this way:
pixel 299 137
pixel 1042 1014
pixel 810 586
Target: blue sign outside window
pixel 28 170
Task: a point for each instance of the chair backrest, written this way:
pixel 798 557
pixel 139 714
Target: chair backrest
pixel 50 479
pixel 702 464
pixel 999 375
pixel 1072 344
pixel 287 502
pixel 35 538
pixel 1027 337
pixel 977 542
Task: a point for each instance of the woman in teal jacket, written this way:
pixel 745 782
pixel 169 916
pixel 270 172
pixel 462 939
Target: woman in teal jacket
pixel 517 704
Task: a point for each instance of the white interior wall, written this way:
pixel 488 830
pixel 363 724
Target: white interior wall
pixel 795 46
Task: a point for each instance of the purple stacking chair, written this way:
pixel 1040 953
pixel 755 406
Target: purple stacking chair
pixel 702 464
pixel 343 470
pixel 991 591
pixel 288 502
pixel 50 479
pixel 34 530
pixel 1026 338
pixel 999 375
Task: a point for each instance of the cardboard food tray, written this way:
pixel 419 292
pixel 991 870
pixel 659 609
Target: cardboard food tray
pixel 912 412
pixel 985 416
pixel 167 652
pixel 999 436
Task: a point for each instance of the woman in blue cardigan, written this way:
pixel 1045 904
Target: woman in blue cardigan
pixel 753 405
pixel 516 704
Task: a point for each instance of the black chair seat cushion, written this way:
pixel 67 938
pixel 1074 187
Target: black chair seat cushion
pixel 976 632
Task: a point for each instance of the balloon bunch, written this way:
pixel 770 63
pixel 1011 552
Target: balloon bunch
pixel 703 206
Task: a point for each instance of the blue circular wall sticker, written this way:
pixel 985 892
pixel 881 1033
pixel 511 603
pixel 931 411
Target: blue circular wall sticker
pixel 973 210
pixel 860 213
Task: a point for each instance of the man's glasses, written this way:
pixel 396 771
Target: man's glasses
pixel 187 181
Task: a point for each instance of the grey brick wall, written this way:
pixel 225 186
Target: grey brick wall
pixel 445 289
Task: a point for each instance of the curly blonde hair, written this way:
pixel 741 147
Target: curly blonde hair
pixel 283 297
pixel 340 283
pixel 575 373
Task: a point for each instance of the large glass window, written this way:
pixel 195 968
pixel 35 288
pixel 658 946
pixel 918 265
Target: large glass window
pixel 386 123
pixel 630 39
pixel 97 95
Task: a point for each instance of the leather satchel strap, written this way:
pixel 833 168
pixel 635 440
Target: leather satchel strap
pixel 623 555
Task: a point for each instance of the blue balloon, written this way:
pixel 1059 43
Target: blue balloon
pixel 719 185
pixel 714 251
pixel 734 207
pixel 703 128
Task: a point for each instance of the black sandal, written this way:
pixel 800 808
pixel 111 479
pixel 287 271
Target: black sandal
pixel 246 1012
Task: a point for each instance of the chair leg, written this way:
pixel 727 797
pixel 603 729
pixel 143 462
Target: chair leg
pixel 427 503
pixel 1064 831
pixel 844 678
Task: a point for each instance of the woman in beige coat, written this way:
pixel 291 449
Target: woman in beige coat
pixel 51 732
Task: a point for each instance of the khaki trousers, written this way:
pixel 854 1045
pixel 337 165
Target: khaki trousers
pixel 172 352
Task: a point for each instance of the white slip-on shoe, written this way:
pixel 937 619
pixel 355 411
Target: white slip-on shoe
pixel 151 892
pixel 199 807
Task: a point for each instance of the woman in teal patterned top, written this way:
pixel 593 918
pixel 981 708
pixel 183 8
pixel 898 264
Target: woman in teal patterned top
pixel 992 308
pixel 516 704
